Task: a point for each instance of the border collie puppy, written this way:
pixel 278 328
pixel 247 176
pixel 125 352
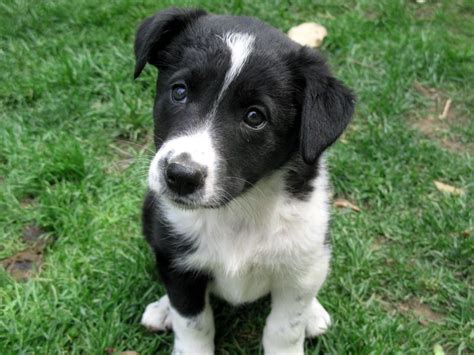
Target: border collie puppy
pixel 238 190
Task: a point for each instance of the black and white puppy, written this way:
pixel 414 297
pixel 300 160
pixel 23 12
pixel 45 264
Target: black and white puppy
pixel 238 190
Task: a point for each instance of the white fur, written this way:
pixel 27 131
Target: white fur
pixel 284 330
pixel 263 231
pixel 199 146
pixel 264 242
pixel 318 320
pixel 295 314
pixel 157 315
pixel 194 335
pixel 240 45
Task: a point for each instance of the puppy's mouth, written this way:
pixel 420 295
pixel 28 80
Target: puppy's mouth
pixel 187 204
pixel 183 204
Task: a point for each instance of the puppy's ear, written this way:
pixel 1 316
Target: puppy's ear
pixel 327 105
pixel 157 31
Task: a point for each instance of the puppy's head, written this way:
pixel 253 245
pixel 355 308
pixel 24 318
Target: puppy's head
pixel 235 100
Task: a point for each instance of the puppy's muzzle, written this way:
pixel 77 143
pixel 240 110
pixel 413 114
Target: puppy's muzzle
pixel 184 177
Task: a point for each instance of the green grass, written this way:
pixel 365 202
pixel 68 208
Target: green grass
pixel 75 141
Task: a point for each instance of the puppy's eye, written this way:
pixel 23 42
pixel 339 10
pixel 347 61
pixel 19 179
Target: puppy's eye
pixel 179 93
pixel 255 119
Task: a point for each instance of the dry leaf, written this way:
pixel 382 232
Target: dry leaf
pixel 343 203
pixel 441 186
pixel 438 350
pixel 308 34
pixel 128 353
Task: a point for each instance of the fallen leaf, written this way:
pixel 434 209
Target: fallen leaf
pixel 308 34
pixel 441 186
pixel 343 203
pixel 438 350
pixel 128 353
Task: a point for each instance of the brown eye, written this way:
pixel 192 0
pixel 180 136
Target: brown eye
pixel 179 93
pixel 255 119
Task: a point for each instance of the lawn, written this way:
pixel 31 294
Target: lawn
pixel 75 142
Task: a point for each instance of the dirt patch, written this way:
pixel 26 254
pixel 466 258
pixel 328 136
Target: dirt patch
pixel 32 234
pixel 425 11
pixel 421 311
pixel 28 262
pixel 379 243
pixel 439 118
pixel 413 307
pixel 27 202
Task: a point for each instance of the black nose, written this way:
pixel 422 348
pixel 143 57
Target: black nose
pixel 184 179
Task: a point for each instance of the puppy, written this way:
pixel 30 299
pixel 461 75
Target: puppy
pixel 238 190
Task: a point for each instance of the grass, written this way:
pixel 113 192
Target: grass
pixel 75 141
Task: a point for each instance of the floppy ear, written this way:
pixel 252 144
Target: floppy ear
pixel 157 31
pixel 327 106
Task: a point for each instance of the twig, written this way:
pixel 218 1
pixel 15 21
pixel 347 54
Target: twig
pixel 447 106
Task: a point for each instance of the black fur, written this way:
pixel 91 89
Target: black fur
pixel 186 288
pixel 327 105
pixel 300 177
pixel 157 31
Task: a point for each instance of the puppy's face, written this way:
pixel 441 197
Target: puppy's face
pixel 231 104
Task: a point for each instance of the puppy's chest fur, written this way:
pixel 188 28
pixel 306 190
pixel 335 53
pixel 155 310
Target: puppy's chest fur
pixel 263 233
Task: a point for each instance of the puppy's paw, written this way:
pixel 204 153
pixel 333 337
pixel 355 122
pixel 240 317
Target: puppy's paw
pixel 318 320
pixel 157 315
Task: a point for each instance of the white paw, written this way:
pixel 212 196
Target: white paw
pixel 157 315
pixel 318 321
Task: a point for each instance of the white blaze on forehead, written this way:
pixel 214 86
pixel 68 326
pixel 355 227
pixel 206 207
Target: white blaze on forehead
pixel 198 145
pixel 240 45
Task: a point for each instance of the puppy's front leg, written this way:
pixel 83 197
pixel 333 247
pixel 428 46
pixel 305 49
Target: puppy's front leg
pixel 193 334
pixel 284 331
pixel 294 309
pixel 191 314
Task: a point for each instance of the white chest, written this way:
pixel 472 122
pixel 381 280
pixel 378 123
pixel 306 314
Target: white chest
pixel 244 244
